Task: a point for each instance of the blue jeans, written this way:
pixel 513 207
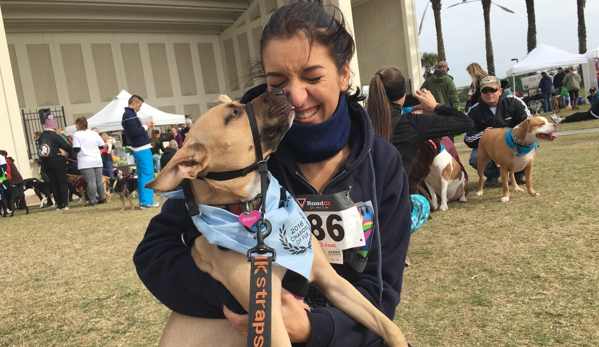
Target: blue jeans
pixel 491 170
pixel 145 173
pixel 547 101
pixel 108 170
pixel 156 158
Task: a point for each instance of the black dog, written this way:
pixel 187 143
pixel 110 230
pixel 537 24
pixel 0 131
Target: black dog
pixel 12 197
pixel 42 189
pixel 124 187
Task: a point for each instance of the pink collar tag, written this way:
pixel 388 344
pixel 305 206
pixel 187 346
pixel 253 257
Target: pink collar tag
pixel 249 219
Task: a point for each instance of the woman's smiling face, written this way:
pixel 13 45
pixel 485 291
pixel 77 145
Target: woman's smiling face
pixel 309 77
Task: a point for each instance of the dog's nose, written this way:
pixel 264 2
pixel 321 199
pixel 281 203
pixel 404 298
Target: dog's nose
pixel 278 91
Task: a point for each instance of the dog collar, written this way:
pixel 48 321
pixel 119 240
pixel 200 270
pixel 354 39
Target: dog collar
pixel 518 146
pixel 228 175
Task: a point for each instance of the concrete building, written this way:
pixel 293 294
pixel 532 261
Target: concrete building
pixel 179 55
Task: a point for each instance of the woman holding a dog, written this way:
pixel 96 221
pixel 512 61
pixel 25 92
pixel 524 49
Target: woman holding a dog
pixel 331 149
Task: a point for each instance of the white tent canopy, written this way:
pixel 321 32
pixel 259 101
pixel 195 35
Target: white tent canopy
pixel 109 118
pixel 545 57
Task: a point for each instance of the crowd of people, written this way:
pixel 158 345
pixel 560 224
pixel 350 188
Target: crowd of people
pixel 89 154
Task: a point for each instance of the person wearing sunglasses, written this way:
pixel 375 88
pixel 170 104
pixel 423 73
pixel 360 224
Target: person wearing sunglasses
pixel 494 110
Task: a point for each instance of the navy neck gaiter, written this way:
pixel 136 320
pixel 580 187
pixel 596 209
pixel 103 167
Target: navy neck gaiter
pixel 312 143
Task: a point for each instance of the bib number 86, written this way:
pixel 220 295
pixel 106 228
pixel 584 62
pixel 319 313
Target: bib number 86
pixel 332 227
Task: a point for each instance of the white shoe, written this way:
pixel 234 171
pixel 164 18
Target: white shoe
pixel 556 119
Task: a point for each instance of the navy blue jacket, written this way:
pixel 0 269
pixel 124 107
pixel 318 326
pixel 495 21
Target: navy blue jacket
pixel 134 130
pixel 545 84
pixel 165 266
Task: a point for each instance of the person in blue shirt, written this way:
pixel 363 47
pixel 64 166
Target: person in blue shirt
pixel 545 86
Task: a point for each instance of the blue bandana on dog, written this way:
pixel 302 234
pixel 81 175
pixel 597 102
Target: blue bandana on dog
pixel 291 235
pixel 519 147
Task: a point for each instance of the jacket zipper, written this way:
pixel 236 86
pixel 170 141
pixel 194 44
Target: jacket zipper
pixel 297 173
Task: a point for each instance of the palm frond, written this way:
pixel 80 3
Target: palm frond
pixel 463 2
pixel 422 19
pixel 503 8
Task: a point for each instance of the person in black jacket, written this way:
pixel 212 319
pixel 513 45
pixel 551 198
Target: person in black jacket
pixel 407 132
pixel 53 163
pixel 494 110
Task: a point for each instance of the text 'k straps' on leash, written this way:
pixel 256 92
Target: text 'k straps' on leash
pixel 261 257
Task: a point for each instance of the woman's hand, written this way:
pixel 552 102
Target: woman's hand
pixel 427 101
pixel 294 314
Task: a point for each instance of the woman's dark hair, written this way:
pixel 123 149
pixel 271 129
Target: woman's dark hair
pixel 319 26
pixel 81 123
pixel 153 140
pixel 378 106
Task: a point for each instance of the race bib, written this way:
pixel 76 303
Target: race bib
pixel 335 222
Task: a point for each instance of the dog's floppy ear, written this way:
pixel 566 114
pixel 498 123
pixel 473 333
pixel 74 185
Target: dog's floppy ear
pixel 224 99
pixel 521 130
pixel 186 163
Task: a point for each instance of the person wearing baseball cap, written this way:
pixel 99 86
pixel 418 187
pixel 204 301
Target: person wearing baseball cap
pixel 592 113
pixel 494 110
pixel 441 86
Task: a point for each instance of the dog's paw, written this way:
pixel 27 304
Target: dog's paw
pixel 534 194
pixel 463 199
pixel 479 193
pixel 505 199
pixel 518 189
pixel 443 207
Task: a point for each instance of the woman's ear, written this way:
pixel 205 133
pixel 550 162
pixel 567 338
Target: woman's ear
pixel 345 77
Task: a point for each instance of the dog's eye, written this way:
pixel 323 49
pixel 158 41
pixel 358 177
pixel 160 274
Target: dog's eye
pixel 235 112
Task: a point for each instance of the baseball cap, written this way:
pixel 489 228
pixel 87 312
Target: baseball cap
pixel 593 89
pixel 490 81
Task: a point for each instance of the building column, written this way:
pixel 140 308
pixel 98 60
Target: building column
pixel 11 125
pixel 412 46
pixel 346 8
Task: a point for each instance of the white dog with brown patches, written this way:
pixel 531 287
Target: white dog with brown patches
pixel 446 180
pixel 513 150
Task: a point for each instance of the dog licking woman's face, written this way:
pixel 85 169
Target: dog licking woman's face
pixel 221 140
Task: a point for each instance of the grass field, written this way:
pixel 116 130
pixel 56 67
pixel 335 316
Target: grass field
pixel 484 273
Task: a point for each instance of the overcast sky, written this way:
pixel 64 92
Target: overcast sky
pixel 464 33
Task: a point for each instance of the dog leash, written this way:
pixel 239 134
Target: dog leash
pixel 260 256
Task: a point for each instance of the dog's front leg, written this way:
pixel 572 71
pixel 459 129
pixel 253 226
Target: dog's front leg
pixel 233 270
pixel 528 175
pixel 347 298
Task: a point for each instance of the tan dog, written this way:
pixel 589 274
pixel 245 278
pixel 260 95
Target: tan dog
pixel 556 104
pixel 221 141
pixel 446 180
pixel 81 185
pixel 493 145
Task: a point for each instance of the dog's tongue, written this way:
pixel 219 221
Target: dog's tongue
pixel 548 137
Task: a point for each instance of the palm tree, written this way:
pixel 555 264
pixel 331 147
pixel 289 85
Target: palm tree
pixel 487 16
pixel 582 29
pixel 436 4
pixel 429 60
pixel 531 37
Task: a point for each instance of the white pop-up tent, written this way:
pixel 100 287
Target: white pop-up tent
pixel 545 57
pixel 109 118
